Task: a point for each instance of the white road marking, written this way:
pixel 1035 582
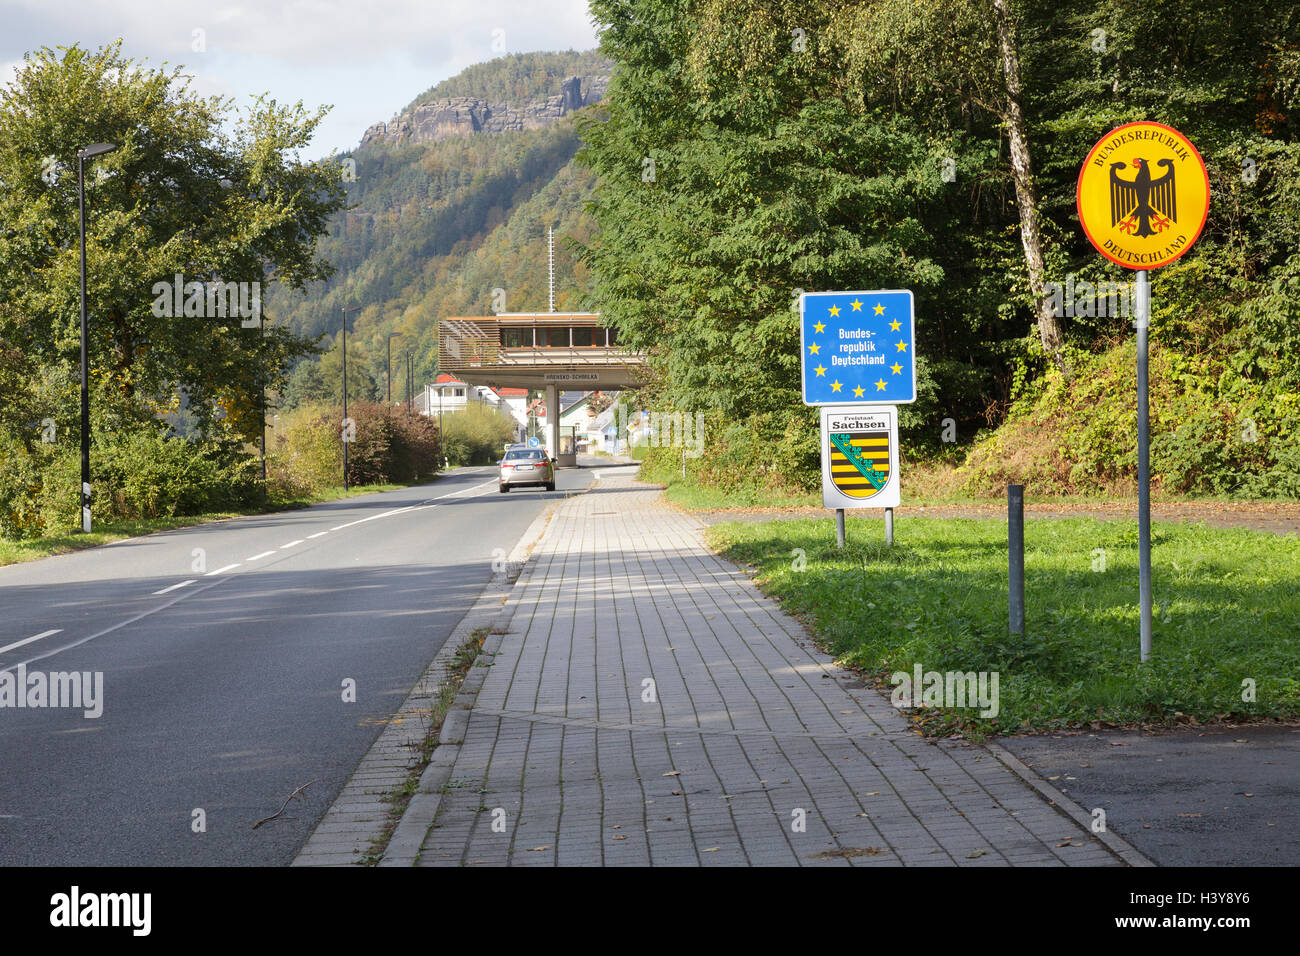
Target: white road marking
pixel 121 624
pixel 10 647
pixel 386 514
pixel 259 557
pixel 180 597
pixel 290 544
pixel 452 494
pixel 175 586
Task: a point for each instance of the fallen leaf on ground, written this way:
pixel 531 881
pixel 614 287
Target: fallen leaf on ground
pixel 974 853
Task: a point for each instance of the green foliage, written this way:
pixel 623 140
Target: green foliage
pixel 1227 609
pixel 518 77
pixel 138 474
pixel 476 435
pixel 748 149
pixel 305 454
pixel 433 229
pixel 192 190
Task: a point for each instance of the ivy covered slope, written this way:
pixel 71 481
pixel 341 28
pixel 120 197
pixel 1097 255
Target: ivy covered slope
pixel 749 150
pixel 440 214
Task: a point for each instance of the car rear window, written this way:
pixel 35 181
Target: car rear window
pixel 526 455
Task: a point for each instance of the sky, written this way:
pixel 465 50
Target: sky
pixel 366 58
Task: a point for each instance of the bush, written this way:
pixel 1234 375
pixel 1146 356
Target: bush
pixel 306 453
pixel 476 435
pixel 142 473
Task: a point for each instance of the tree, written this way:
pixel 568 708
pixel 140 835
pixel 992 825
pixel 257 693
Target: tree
pixel 228 212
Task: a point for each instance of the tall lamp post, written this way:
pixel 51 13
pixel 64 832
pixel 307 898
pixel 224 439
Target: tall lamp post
pixel 391 336
pixel 90 152
pixel 355 308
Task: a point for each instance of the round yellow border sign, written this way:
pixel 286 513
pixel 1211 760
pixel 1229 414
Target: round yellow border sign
pixel 1143 195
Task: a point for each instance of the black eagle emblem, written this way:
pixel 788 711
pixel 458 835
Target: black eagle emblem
pixel 1141 203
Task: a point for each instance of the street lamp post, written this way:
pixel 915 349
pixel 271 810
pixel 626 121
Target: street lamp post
pixel 391 336
pixel 261 330
pixel 96 149
pixel 355 308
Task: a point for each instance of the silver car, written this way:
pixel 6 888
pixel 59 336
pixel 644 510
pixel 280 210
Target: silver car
pixel 526 466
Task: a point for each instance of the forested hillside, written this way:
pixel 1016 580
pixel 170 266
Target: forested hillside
pixel 749 150
pixel 433 228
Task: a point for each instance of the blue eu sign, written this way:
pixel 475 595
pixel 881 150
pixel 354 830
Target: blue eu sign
pixel 856 348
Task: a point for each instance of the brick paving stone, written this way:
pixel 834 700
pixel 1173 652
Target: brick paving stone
pixel 648 705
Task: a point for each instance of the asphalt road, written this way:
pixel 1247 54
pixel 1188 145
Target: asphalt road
pixel 224 649
pixel 1194 796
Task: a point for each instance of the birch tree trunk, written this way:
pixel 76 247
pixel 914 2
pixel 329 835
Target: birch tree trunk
pixel 1022 170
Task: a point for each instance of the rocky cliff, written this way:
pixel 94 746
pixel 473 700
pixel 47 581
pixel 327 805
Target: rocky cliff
pixel 442 119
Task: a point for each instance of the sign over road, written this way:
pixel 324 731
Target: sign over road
pixel 860 457
pixel 1143 195
pixel 856 347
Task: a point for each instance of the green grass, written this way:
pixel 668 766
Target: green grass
pixel 32 549
pixel 1227 610
pixel 694 497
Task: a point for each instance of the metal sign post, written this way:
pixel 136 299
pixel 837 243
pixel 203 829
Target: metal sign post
pixel 1016 559
pixel 1143 320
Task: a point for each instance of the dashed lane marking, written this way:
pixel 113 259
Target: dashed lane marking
pixel 10 647
pixel 175 587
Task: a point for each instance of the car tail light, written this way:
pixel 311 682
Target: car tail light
pixel 507 466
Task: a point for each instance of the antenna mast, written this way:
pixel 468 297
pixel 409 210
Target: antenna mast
pixel 550 253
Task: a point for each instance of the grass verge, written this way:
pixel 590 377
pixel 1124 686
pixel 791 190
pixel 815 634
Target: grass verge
pixel 1226 628
pixel 15 552
pixel 400 797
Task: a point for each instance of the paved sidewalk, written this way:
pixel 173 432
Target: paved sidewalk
pixel 647 705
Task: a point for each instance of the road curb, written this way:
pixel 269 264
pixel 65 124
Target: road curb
pixel 351 824
pixel 404 846
pixel 1113 842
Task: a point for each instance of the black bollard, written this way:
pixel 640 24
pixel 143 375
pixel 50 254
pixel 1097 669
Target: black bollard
pixel 1016 556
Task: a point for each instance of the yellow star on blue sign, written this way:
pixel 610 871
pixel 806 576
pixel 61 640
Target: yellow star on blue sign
pixel 856 347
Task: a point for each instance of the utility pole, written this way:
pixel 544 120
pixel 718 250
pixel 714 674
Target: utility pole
pixel 97 149
pixel 346 440
pixel 389 366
